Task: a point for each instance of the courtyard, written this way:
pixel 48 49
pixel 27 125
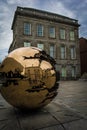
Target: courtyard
pixel 68 111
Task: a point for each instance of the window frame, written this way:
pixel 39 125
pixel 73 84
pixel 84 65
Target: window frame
pixel 26 44
pixel 40 30
pixel 62 33
pixel 73 52
pixel 72 35
pixel 52 32
pixel 52 52
pixel 63 53
pixel 63 72
pixel 42 48
pixel 27 28
pixel 73 72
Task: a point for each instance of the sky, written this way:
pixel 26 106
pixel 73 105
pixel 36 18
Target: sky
pixel 76 9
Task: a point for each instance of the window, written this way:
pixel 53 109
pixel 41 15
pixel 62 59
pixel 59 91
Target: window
pixel 52 32
pixel 73 71
pixel 39 30
pixel 62 33
pixel 27 44
pixel 63 72
pixel 52 50
pixel 40 46
pixel 72 35
pixel 27 28
pixel 63 52
pixel 73 52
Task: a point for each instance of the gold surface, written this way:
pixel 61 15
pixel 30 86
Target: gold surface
pixel 29 79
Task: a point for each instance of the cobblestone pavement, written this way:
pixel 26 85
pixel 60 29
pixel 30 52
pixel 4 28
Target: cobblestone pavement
pixel 68 111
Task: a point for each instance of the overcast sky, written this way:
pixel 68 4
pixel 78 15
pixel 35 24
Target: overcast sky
pixel 76 9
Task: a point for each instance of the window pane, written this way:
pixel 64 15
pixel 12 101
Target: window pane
pixel 62 33
pixel 52 51
pixel 63 72
pixel 27 44
pixel 73 52
pixel 52 32
pixel 40 30
pixel 72 35
pixel 27 28
pixel 40 46
pixel 73 71
pixel 63 52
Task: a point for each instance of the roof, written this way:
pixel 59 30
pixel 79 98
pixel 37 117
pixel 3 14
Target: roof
pixel 41 14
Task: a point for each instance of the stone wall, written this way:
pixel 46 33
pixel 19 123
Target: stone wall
pixel 19 38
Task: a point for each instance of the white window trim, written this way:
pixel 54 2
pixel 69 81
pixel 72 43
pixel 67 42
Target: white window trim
pixel 73 54
pixel 72 38
pixel 27 44
pixel 28 29
pixel 38 45
pixel 63 74
pixel 54 34
pixel 74 74
pixel 64 34
pixel 41 31
pixel 64 54
pixel 54 50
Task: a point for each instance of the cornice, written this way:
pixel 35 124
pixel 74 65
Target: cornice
pixel 40 14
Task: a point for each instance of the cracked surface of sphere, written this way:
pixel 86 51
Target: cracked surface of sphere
pixel 28 78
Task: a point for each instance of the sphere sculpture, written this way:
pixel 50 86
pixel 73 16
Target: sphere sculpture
pixel 28 78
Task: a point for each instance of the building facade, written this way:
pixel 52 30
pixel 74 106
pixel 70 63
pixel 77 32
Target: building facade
pixel 56 34
pixel 83 55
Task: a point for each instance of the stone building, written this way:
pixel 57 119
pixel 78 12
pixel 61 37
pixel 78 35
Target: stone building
pixel 56 34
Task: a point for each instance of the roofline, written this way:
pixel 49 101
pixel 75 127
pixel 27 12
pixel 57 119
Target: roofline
pixel 41 14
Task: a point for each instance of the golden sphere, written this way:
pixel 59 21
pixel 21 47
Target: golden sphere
pixel 28 78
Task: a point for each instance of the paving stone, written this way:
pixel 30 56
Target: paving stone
pixel 36 120
pixel 9 125
pixel 7 114
pixel 66 116
pixel 56 127
pixel 54 107
pixel 76 125
pixel 74 95
pixel 68 111
pixel 4 103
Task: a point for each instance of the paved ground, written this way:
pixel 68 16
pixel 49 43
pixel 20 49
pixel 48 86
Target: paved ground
pixel 68 111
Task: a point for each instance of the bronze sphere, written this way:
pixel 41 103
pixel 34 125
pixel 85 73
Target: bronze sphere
pixel 28 78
